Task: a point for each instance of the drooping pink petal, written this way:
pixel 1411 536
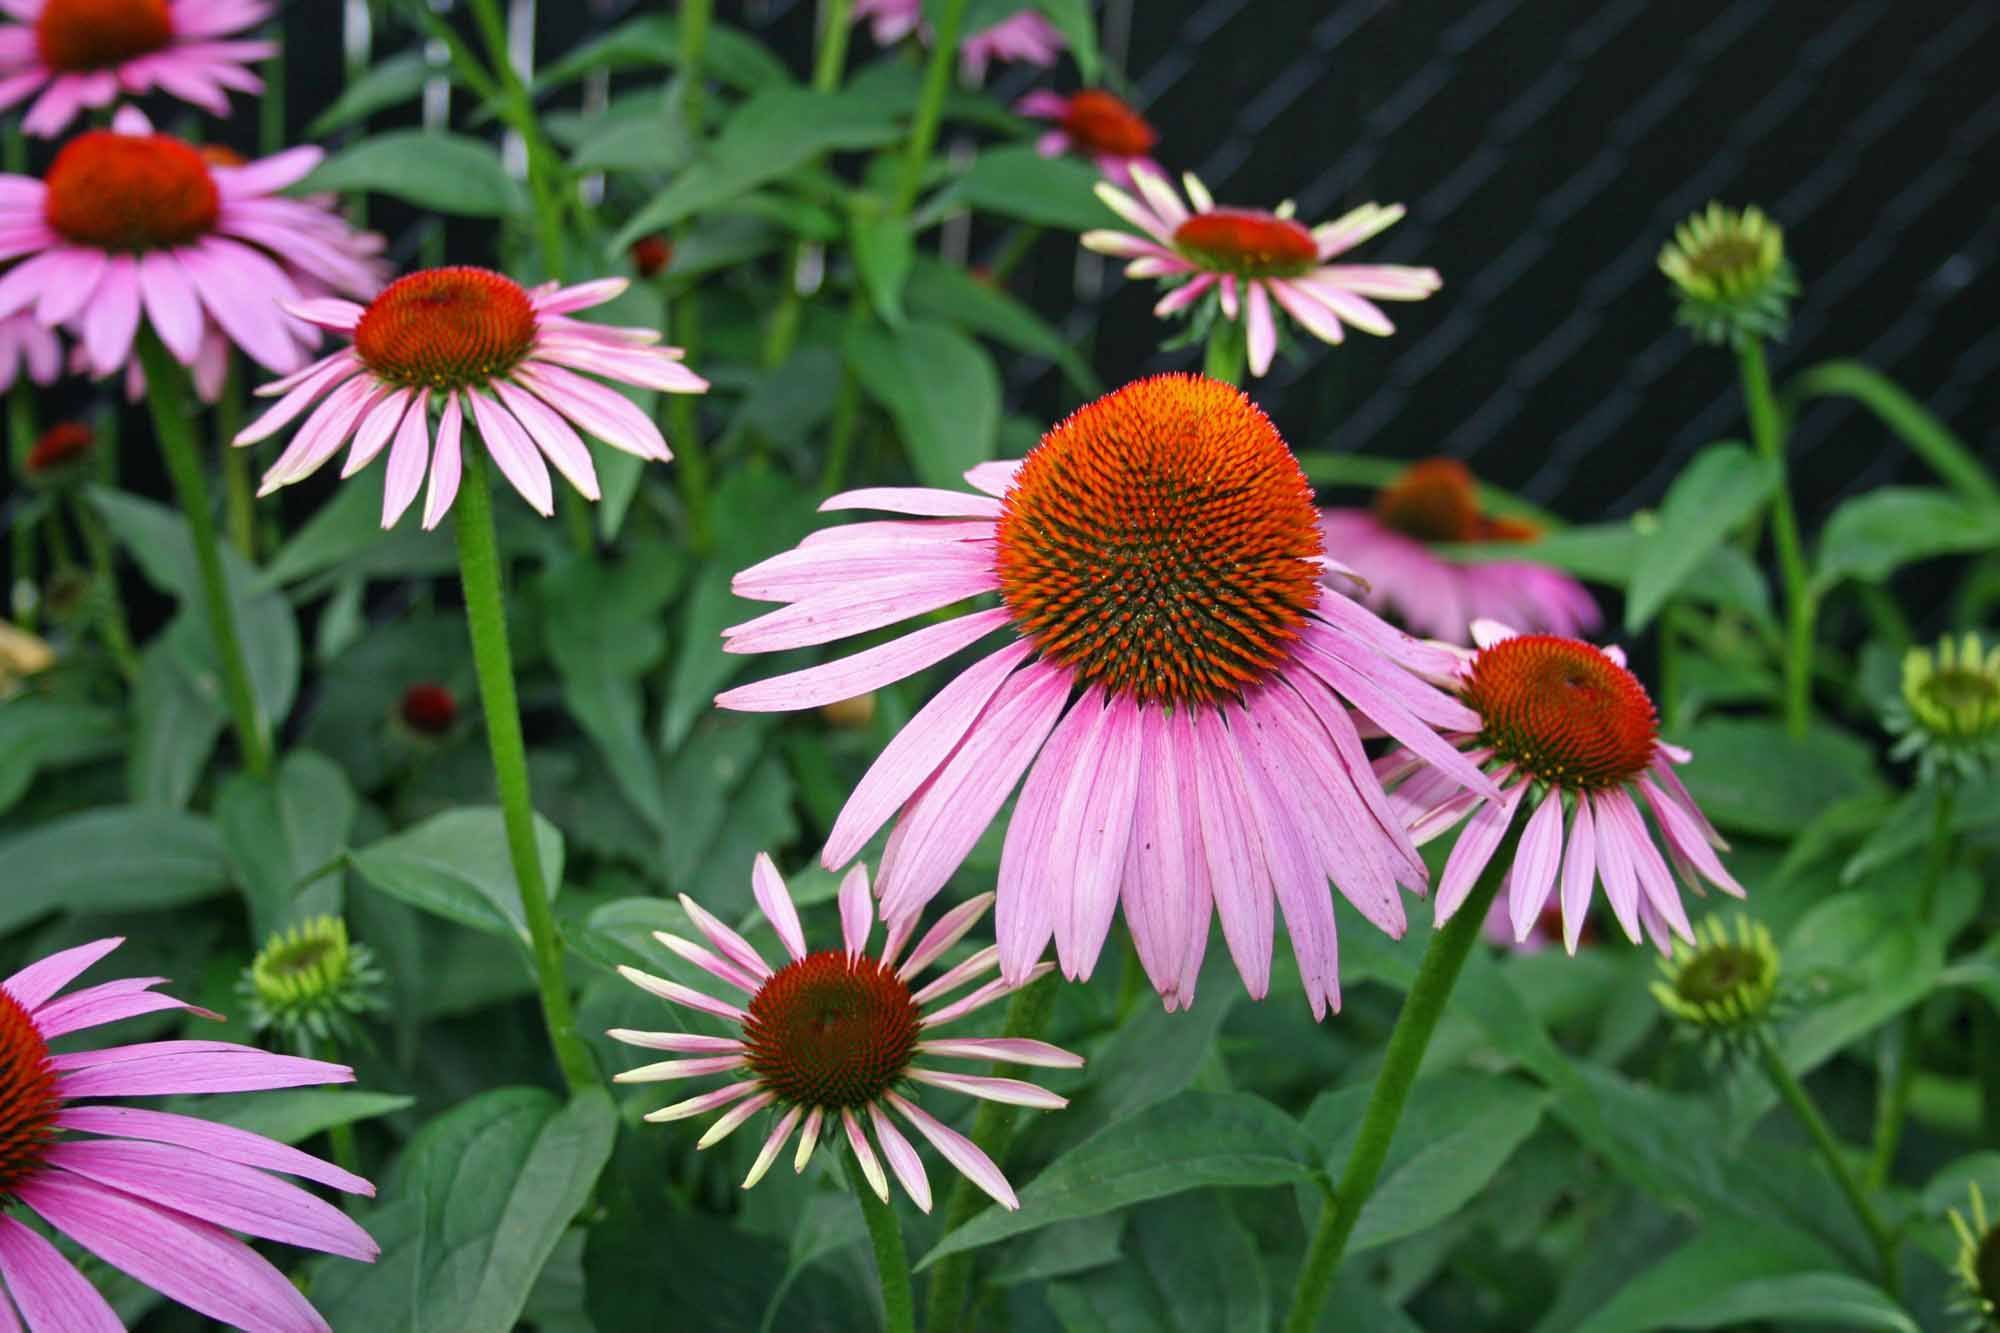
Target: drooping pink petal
pixel 34 984
pixel 1295 869
pixel 775 901
pixel 447 463
pixel 1092 829
pixel 1024 920
pixel 1259 328
pixel 1535 862
pixel 1012 1091
pixel 1009 1050
pixel 51 1294
pixel 544 429
pixel 1477 842
pixel 154 1068
pixel 773 1142
pixel 212 1139
pixel 1236 872
pixel 1579 872
pixel 1614 863
pixel 843 611
pixel 903 1159
pixel 108 1003
pixel 377 424
pixel 732 1120
pixel 707 1101
pixel 1656 882
pixel 509 446
pixel 407 460
pixel 960 1151
pixel 867 670
pixel 691 1043
pixel 1163 858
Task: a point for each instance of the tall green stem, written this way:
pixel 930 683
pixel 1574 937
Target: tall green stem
pixel 993 1129
pixel 892 1263
pixel 829 63
pixel 695 16
pixel 930 106
pixel 111 624
pixel 166 395
pixel 1899 1071
pixel 238 499
pixel 1794 1095
pixel 486 617
pixel 518 109
pixel 1444 959
pixel 1767 432
pixel 1226 353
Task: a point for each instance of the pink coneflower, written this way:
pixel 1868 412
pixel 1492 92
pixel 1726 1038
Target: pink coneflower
pixel 25 345
pixel 839 1035
pixel 1026 36
pixel 89 52
pixel 1436 502
pixel 151 1193
pixel 127 222
pixel 1172 658
pixel 1564 724
pixel 1096 123
pixel 1249 258
pixel 479 346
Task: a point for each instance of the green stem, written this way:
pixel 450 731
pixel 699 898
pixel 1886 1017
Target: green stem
pixel 993 1129
pixel 166 395
pixel 111 622
pixel 1800 1102
pixel 239 499
pixel 930 106
pixel 1443 959
pixel 846 423
pixel 1019 242
pixel 486 617
pixel 683 412
pixel 892 1262
pixel 25 596
pixel 829 63
pixel 695 15
pixel 1767 432
pixel 517 108
pixel 1899 1064
pixel 1226 352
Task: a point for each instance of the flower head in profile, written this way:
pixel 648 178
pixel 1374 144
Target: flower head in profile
pixel 128 224
pixel 1724 982
pixel 312 983
pixel 1948 715
pixel 1977 1264
pixel 55 456
pixel 1245 259
pixel 26 344
pixel 478 347
pixel 86 54
pixel 1394 545
pixel 1568 732
pixel 1098 124
pixel 838 1040
pixel 1025 37
pixel 154 1194
pixel 1728 268
pixel 1173 684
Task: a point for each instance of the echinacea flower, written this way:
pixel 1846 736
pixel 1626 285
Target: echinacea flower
pixel 90 52
pixel 1729 269
pixel 1564 728
pixel 1097 123
pixel 57 451
pixel 26 345
pixel 1026 37
pixel 1948 713
pixel 1171 685
pixel 1248 258
pixel 839 1039
pixel 477 346
pixel 128 223
pixel 1977 1264
pixel 1393 547
pixel 1723 983
pixel 312 984
pixel 152 1193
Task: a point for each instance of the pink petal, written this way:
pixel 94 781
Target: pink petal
pixel 1294 869
pixel 1614 863
pixel 108 1003
pixel 1579 871
pixel 598 410
pixel 775 901
pixel 903 1159
pixel 726 941
pixel 949 930
pixel 1236 871
pixel 553 436
pixel 870 604
pixel 772 1143
pixel 1166 898
pixel 1012 1091
pixel 111 320
pixel 1477 842
pixel 509 446
pixel 692 1043
pixel 1260 328
pixel 673 992
pixel 867 670
pixel 864 1155
pixel 1010 1050
pixel 1093 827
pixel 154 1068
pixel 960 1151
pixel 1025 918
pixel 407 458
pixel 707 1101
pixel 1535 862
pixel 305 387
pixel 224 1141
pixel 447 463
pixel 857 910
pixel 34 984
pixel 920 500
pixel 52 1295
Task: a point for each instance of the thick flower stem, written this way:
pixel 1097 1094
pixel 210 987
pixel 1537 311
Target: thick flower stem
pixel 166 395
pixel 1800 1102
pixel 930 106
pixel 1899 1068
pixel 239 496
pixel 1444 958
pixel 899 1306
pixel 1767 432
pixel 1226 352
pixel 993 1129
pixel 486 617
pixel 695 16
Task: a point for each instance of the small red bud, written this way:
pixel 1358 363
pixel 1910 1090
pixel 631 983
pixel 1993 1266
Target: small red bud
pixel 429 709
pixel 59 446
pixel 651 255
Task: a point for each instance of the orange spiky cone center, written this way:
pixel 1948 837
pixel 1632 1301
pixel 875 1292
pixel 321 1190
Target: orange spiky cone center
pixel 28 1099
pixel 1162 542
pixel 129 192
pixel 1100 122
pixel 831 1030
pixel 446 328
pixel 1247 242
pixel 78 35
pixel 1563 712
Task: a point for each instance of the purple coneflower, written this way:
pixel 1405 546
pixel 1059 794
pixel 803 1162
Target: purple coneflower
pixel 151 1193
pixel 1171 685
pixel 1026 36
pixel 1096 123
pixel 838 1038
pixel 27 345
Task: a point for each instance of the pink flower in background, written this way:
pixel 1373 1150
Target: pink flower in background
pixel 1026 36
pixel 837 1038
pixel 1170 684
pixel 151 1193
pixel 1434 503
pixel 128 223
pixel 1251 258
pixel 87 53
pixel 1096 123
pixel 25 345
pixel 1566 720
pixel 478 346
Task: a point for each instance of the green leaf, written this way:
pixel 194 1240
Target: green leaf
pixel 1873 958
pixel 432 169
pixel 1719 490
pixel 947 292
pixel 729 54
pixel 1193 1140
pixel 645 133
pixel 1150 1057
pixel 38 733
pixel 884 251
pixel 293 1115
pixel 455 865
pixel 1928 438
pixel 768 136
pixel 941 388
pixel 1875 534
pixel 277 832
pixel 1073 20
pixel 476 1205
pixel 346 534
pixel 1753 776
pixel 1017 182
pixel 175 728
pixel 390 82
pixel 1192 1268
pixel 117 859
